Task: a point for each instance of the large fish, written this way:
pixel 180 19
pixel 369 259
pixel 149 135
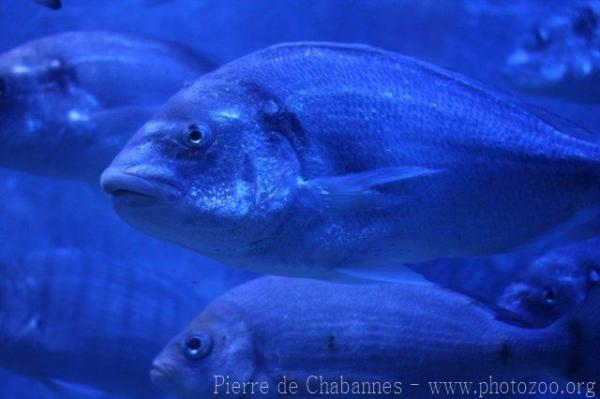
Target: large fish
pixel 74 318
pixel 331 160
pixel 275 327
pixel 555 283
pixel 560 57
pixel 69 102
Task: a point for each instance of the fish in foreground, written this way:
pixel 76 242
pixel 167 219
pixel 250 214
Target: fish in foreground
pixel 69 102
pixel 275 326
pixel 560 57
pixel 76 320
pixel 343 162
pixel 555 283
pixel 53 4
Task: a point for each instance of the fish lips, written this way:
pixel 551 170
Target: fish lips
pixel 134 190
pixel 158 376
pixel 161 375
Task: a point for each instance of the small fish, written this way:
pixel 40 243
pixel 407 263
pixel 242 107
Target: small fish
pixel 57 4
pixel 74 318
pixel 560 57
pixel 69 102
pixel 53 4
pixel 274 327
pixel 555 283
pixel 345 162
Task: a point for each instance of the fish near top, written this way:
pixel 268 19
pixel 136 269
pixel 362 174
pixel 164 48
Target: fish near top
pixel 560 57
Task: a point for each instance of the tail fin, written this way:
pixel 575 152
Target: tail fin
pixel 584 326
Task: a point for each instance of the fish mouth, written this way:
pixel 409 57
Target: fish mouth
pixel 134 189
pixel 159 375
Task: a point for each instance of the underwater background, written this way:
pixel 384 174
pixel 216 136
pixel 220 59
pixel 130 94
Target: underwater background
pixel 62 240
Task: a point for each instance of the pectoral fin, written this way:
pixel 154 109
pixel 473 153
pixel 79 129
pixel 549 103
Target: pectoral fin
pixel 70 389
pixel 360 189
pixel 381 274
pixel 583 226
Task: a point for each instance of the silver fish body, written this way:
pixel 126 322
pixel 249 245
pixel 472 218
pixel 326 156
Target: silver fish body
pixel 70 101
pixel 75 317
pixel 305 159
pixel 275 327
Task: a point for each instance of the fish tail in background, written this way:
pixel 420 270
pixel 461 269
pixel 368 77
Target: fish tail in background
pixel 584 328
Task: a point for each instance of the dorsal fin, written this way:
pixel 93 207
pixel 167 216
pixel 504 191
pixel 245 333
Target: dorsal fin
pixel 561 124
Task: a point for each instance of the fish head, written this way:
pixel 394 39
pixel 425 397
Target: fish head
pixel 550 288
pixel 205 172
pixel 218 342
pixel 40 106
pixel 557 57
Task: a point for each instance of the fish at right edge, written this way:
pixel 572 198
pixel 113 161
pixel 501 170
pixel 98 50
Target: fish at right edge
pixel 554 283
pixel 560 57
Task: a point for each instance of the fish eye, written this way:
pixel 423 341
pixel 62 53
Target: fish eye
pixel 540 39
pixel 195 136
pixel 3 88
pixel 197 346
pixel 586 22
pixel 40 324
pixel 594 276
pixel 549 295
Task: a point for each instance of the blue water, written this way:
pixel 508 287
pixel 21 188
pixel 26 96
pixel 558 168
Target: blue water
pixel 473 37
